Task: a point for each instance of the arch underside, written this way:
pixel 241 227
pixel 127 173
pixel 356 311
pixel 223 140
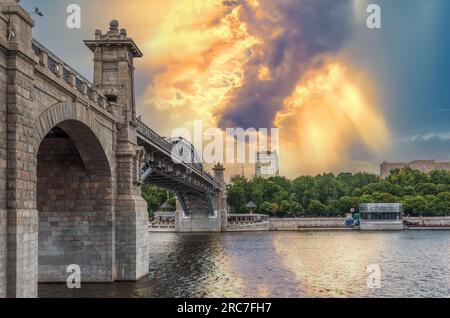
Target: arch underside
pixel 75 205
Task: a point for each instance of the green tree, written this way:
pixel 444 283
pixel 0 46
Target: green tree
pixel 316 208
pixel 155 197
pixel 285 207
pixel 409 190
pixel 407 177
pixel 265 208
pixel 327 194
pixel 425 188
pixel 297 208
pixel 414 205
pixel 345 204
pixel 440 177
pixel 357 192
pixel 237 194
pixel 305 188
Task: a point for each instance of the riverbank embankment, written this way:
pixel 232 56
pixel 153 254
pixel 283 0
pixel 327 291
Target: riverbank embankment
pixel 323 224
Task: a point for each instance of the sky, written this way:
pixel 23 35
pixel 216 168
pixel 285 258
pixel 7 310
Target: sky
pixel 345 97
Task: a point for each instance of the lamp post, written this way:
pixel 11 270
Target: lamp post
pixel 251 207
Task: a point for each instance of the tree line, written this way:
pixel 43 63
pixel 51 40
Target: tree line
pixel 156 197
pixel 422 194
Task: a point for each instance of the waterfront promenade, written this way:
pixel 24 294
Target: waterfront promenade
pixel 325 223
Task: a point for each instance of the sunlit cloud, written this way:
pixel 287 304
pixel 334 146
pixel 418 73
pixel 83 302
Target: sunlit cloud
pixel 257 64
pixel 195 54
pixel 330 111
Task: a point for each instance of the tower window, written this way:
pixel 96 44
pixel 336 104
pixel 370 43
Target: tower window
pixel 111 98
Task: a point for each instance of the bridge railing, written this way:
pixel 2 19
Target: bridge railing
pixel 61 69
pixel 153 136
pixel 150 134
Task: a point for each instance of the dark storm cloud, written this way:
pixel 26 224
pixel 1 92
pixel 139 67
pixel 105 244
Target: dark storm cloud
pixel 231 3
pixel 294 34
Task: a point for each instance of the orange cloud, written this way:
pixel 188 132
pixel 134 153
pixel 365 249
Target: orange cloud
pixel 195 51
pixel 198 55
pixel 331 110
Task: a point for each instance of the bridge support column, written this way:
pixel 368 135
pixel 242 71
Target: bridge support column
pixel 197 218
pixel 220 198
pixel 114 54
pixel 20 220
pixel 3 158
pixel 203 212
pixel 132 239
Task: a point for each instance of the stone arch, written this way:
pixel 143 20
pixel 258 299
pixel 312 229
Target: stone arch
pixel 75 197
pixel 66 112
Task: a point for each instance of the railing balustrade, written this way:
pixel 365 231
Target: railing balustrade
pixel 54 64
pixel 150 134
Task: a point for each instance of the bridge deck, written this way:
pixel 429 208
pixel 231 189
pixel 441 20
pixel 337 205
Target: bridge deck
pixel 203 181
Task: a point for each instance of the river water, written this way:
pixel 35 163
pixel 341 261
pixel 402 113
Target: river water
pixel 287 264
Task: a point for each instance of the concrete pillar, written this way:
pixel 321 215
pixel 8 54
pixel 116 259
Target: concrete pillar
pixel 43 59
pixel 22 219
pixel 178 216
pixel 3 157
pixel 200 218
pixel 72 80
pixel 132 239
pixel 84 89
pixel 220 198
pixel 59 70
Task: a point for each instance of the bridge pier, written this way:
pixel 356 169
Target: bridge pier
pixel 21 218
pixel 194 214
pixel 69 162
pixel 132 240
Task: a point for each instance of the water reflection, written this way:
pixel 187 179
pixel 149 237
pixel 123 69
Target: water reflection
pixel 285 264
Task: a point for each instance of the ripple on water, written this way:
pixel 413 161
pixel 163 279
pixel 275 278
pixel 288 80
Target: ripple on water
pixel 285 264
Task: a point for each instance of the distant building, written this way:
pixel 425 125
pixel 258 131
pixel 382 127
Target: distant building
pixel 267 164
pixel 381 216
pixel 421 165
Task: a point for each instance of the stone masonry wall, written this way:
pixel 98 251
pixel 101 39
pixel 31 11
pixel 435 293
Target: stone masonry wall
pixel 306 223
pixel 199 220
pixel 22 224
pixel 427 222
pixel 74 225
pixel 132 245
pixel 3 157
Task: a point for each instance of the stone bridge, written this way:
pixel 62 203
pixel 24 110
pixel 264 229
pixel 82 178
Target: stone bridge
pixel 73 157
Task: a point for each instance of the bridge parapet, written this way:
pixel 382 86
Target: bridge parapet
pixel 62 70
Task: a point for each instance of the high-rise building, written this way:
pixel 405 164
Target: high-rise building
pixel 267 164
